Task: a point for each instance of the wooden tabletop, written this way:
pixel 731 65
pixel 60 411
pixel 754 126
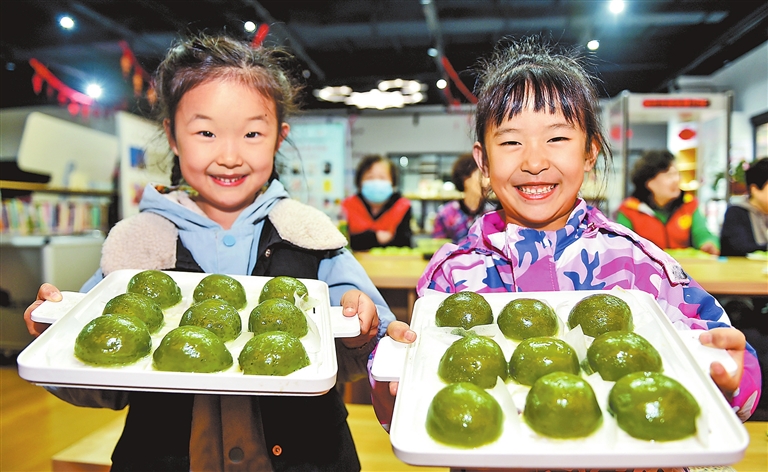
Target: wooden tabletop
pixel 728 275
pixel 720 276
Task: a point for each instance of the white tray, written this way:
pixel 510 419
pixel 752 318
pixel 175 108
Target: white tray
pixel 721 438
pixel 50 360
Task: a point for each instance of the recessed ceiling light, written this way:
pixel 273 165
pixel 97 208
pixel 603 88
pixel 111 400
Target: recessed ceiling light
pixel 593 45
pixel 616 6
pixel 441 84
pixel 66 22
pixel 249 26
pixel 432 52
pixel 94 90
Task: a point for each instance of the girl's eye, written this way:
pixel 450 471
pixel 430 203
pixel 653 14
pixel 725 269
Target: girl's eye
pixel 558 139
pixel 252 134
pixel 206 134
pixel 510 143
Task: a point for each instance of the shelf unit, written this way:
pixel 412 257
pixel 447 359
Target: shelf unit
pixel 54 210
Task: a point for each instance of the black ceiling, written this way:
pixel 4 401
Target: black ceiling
pixel 360 42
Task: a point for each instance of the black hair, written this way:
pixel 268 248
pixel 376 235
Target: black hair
pixel 368 161
pixel 462 169
pixel 650 164
pixel 757 174
pixel 532 71
pixel 202 58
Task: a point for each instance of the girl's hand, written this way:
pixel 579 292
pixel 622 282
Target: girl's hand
pixel 400 332
pixel 710 248
pixel 734 342
pixel 384 237
pixel 357 303
pixel 46 292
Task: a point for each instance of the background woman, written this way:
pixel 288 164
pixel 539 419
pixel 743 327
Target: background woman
pixel 660 212
pixel 377 215
pixel 454 218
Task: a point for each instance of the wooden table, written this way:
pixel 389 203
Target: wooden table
pixel 728 275
pixel 720 276
pixel 400 272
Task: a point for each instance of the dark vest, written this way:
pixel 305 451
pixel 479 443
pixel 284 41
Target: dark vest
pixel 309 430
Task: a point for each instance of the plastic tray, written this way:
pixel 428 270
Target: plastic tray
pixel 721 438
pixel 50 360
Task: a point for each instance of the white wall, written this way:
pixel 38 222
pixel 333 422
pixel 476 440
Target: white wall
pixel 12 124
pixel 411 133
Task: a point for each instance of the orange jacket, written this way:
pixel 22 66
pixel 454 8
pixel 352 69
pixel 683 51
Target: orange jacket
pixel 675 234
pixel 360 220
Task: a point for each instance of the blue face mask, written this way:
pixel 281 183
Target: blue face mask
pixel 377 191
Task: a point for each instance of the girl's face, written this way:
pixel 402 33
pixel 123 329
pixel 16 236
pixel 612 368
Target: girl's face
pixel 226 136
pixel 536 163
pixel 665 186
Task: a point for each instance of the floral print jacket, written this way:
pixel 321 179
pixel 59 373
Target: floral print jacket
pixel 589 253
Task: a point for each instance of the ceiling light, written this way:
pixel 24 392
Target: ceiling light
pixel 616 6
pixel 394 93
pixel 432 52
pixel 249 26
pixel 94 90
pixel 403 161
pixel 593 45
pixel 441 84
pixel 66 22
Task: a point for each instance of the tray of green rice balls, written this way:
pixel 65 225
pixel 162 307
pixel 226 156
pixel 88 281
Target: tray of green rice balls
pixel 566 380
pixel 191 333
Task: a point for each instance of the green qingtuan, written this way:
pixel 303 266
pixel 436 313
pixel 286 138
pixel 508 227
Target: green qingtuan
pixel 537 357
pixel 158 286
pixel 273 353
pixel 191 349
pixel 600 313
pixel 562 405
pixel 463 310
pixel 222 287
pixel 464 415
pixel 284 287
pixel 138 305
pixel 525 318
pixel 475 359
pixel 618 353
pixel 113 340
pixel 215 315
pixel 653 407
pixel 277 314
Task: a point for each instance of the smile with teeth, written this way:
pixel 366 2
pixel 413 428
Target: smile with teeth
pixel 228 180
pixel 535 190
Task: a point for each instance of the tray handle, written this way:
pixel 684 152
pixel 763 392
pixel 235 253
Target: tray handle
pixel 49 312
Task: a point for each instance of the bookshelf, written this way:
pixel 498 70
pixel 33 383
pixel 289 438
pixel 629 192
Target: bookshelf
pixel 50 210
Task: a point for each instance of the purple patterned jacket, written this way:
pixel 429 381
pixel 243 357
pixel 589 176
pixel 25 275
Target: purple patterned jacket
pixel 589 253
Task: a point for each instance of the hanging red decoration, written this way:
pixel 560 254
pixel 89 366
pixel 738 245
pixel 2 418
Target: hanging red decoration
pixel 456 80
pixel 75 101
pixel 129 62
pixel 260 35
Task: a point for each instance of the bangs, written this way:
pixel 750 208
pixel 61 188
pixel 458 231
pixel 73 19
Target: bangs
pixel 542 89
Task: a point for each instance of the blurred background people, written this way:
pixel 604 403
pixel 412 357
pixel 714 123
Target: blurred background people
pixel 454 218
pixel 377 215
pixel 745 225
pixel 659 211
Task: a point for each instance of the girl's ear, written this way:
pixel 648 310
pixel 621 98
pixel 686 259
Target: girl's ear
pixel 591 159
pixel 479 154
pixel 169 136
pixel 285 128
